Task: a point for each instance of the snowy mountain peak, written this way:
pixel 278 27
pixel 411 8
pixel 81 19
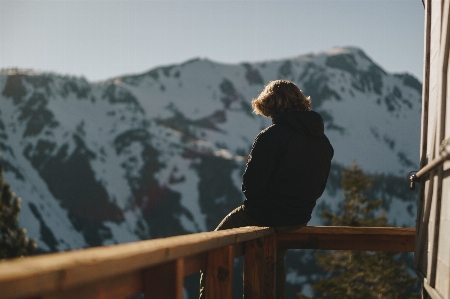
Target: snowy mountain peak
pixel 162 153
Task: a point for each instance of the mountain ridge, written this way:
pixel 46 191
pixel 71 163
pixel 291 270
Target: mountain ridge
pixel 162 153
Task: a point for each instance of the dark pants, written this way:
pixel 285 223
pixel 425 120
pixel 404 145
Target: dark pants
pixel 239 218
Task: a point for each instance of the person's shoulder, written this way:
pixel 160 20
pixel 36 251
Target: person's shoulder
pixel 274 132
pixel 265 133
pixel 273 129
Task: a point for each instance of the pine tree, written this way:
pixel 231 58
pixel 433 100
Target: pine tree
pixel 13 239
pixel 361 274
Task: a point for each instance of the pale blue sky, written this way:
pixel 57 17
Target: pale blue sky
pixel 105 38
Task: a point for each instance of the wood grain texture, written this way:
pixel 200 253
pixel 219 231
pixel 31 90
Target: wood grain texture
pixel 195 263
pixel 118 287
pixel 259 268
pixel 253 269
pixel 348 230
pixel 164 281
pixel 62 271
pixel 93 271
pixel 269 267
pixel 349 238
pixel 219 273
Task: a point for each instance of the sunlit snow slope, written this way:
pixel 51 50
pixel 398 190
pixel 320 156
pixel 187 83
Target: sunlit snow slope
pixel 162 153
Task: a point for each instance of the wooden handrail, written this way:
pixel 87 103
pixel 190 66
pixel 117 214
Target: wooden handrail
pixel 157 267
pixel 62 271
pixel 349 238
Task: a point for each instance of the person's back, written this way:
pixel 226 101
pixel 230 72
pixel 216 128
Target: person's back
pixel 294 158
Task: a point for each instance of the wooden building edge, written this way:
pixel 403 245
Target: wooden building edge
pixel 432 249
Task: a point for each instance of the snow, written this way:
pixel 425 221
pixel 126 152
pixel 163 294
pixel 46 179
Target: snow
pixel 188 189
pixel 35 191
pixel 123 232
pixel 362 62
pixel 196 93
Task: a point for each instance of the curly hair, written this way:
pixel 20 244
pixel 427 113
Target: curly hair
pixel 279 96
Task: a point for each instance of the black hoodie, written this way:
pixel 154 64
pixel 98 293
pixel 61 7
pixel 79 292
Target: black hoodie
pixel 287 169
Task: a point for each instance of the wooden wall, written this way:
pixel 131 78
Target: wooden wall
pixel 432 254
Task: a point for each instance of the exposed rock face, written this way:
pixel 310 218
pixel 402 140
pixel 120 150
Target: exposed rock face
pixel 162 153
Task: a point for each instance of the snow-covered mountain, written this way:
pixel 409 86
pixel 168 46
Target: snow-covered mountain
pixel 162 153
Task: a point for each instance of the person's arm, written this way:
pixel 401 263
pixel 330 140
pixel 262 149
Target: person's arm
pixel 260 164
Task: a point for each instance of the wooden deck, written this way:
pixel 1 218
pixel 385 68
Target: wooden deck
pixel 157 267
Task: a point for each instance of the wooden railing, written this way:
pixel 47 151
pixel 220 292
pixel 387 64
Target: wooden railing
pixel 157 267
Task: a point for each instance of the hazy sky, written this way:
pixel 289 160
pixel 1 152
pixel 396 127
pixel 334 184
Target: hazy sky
pixel 106 38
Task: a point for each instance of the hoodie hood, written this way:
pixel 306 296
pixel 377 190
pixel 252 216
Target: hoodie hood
pixel 303 122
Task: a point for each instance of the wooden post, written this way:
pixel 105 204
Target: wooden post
pixel 253 269
pixel 269 267
pixel 219 273
pixel 259 268
pixel 164 281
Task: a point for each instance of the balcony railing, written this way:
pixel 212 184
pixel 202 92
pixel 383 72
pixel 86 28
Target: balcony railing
pixel 156 268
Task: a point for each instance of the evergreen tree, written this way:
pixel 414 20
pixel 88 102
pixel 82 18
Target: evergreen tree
pixel 13 239
pixel 361 274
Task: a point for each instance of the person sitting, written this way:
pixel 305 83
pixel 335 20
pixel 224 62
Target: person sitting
pixel 286 171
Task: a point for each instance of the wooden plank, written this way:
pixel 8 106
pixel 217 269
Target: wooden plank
pixel 442 69
pixel 425 135
pixel 164 281
pixel 443 267
pixel 421 250
pixel 439 278
pixel 426 85
pixel 118 287
pixel 239 249
pixel 349 238
pixel 66 271
pixel 219 273
pixel 253 269
pixel 62 271
pixel 259 268
pixel 194 263
pixel 269 267
pixel 431 291
pixel 349 230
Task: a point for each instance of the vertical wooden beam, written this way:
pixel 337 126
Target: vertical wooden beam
pixel 259 268
pixel 443 79
pixel 269 267
pixel 219 273
pixel 253 269
pixel 425 131
pixel 164 281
